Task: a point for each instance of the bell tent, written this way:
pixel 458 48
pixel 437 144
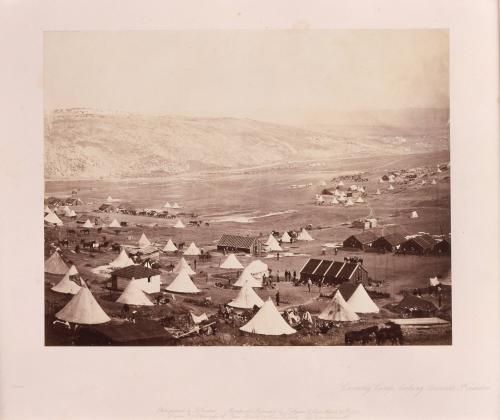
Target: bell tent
pixel 304 236
pixel 231 263
pixel 88 224
pixel 144 241
pixel 134 295
pixel 183 265
pixel 361 303
pixel 246 298
pixel 83 308
pixel 55 264
pixel 192 250
pixel 179 225
pixel 360 200
pixel 170 247
pixel 338 310
pixel 53 219
pixel 114 224
pixel 413 215
pixel 246 278
pixel 272 244
pixel 67 285
pixel 285 238
pixel 268 321
pixel 123 260
pixel 183 284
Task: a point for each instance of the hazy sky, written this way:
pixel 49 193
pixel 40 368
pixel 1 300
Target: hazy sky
pixel 286 76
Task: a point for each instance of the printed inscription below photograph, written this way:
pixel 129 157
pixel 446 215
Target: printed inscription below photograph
pixel 247 188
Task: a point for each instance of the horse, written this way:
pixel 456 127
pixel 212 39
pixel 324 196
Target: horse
pixel 364 335
pixel 391 332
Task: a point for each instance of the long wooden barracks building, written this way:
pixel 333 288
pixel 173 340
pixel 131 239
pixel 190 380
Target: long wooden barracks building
pixel 333 272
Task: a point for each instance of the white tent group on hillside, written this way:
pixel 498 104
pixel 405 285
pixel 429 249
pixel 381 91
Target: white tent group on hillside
pixel 341 310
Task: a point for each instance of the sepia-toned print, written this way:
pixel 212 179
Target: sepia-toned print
pixel 262 188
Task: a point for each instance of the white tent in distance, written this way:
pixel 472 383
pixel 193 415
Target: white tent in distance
pixel 413 215
pixel 182 284
pixel 170 247
pixel 143 240
pixel 285 238
pixel 53 219
pixel 268 321
pixel 122 260
pixel 192 250
pixel 304 236
pixel 179 225
pixel 231 263
pixel 272 244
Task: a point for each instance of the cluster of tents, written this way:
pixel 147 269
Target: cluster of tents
pixel 272 243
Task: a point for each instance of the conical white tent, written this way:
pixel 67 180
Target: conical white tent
pixel 247 278
pixel 231 263
pixel 72 270
pixel 183 284
pixel 67 211
pixel 123 260
pixel 134 295
pixel 361 303
pixel 423 182
pixel 360 200
pixel 335 201
pixel 88 224
pixel 304 236
pixel 52 218
pixel 179 224
pixel 72 213
pixel 192 250
pixel 257 268
pixel 167 205
pixel 434 281
pixel 340 184
pixel 439 169
pixel 378 192
pixel 272 244
pixel 176 206
pixel 183 265
pixel 349 203
pixel 170 247
pixel 144 241
pixel 55 264
pixel 114 224
pixel 109 199
pixel 66 285
pixel 338 310
pixel 83 308
pixel 391 187
pixel 413 215
pixel 246 298
pixel 285 238
pixel 433 182
pixel 268 321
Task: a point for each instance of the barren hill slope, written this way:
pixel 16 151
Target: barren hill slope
pixel 81 143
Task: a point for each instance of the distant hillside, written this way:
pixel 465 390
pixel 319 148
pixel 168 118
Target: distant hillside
pixel 82 143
